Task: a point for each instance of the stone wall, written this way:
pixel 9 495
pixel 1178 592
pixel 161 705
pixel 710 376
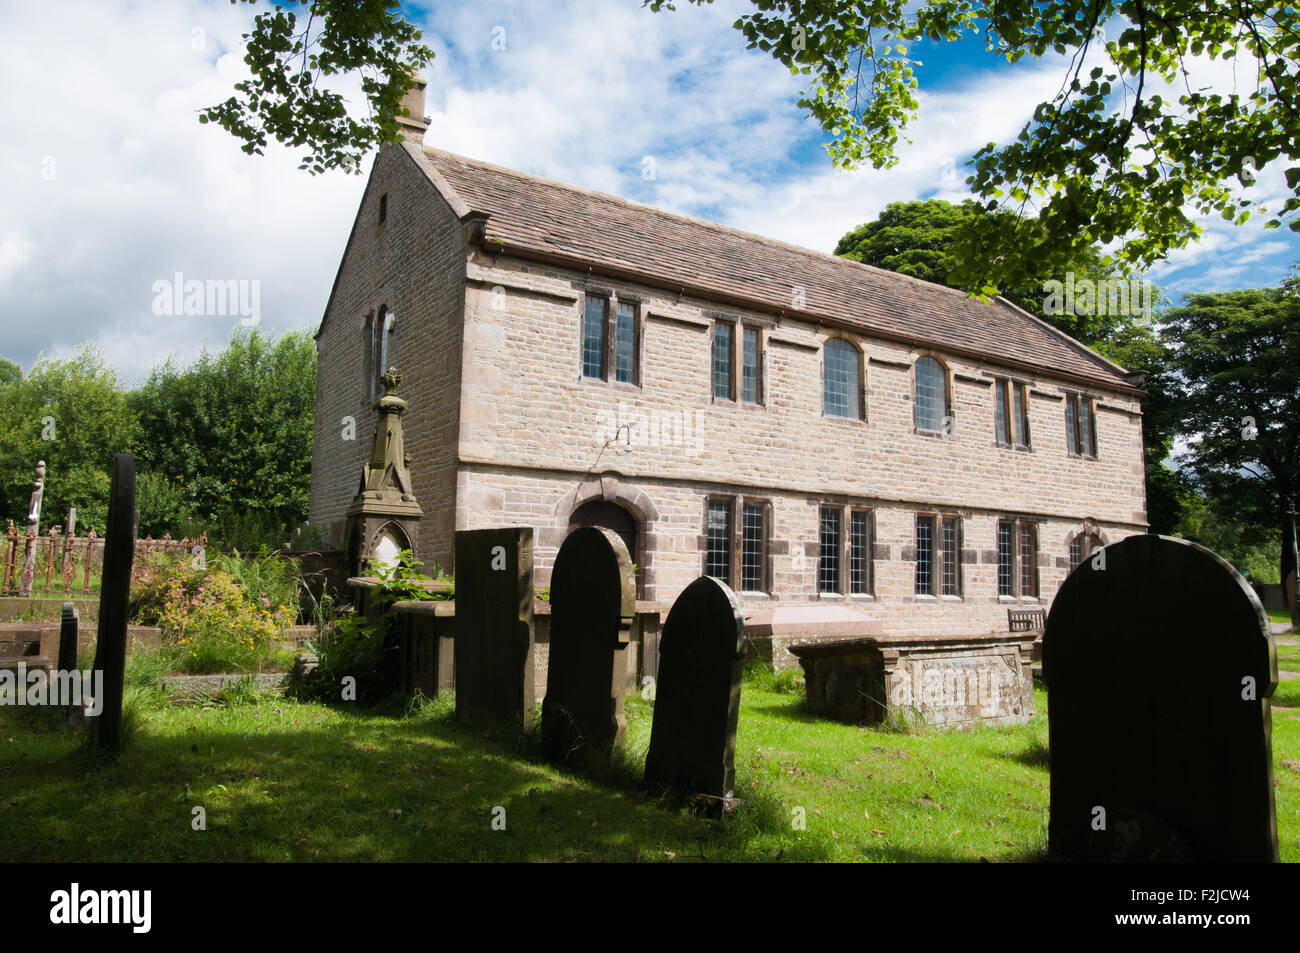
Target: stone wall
pixel 671 556
pixel 413 264
pixel 533 409
pixel 504 429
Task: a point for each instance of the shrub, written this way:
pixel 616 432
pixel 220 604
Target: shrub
pixel 210 622
pixel 364 647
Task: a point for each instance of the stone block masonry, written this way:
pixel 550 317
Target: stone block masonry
pixel 505 430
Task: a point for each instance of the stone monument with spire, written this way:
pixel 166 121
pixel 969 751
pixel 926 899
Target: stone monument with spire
pixel 384 517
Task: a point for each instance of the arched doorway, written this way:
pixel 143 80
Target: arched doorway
pixel 613 517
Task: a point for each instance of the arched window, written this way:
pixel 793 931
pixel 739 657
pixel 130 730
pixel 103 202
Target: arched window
pixel 931 395
pixel 842 380
pixel 1083 545
pixel 383 327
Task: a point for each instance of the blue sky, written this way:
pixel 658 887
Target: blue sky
pixel 108 184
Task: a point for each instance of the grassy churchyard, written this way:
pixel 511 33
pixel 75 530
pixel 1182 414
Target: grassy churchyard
pixel 284 780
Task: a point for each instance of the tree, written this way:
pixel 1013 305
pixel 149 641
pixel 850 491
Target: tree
pixel 74 415
pixel 229 438
pixel 285 100
pixel 1107 159
pixel 10 373
pixel 921 239
pixel 1217 525
pixel 1239 355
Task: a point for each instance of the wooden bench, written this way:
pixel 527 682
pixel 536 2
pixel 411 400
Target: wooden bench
pixel 1029 620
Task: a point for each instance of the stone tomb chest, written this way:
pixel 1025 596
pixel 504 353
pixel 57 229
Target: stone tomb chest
pixel 948 681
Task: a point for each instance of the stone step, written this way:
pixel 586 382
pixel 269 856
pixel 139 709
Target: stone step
pixel 200 686
pixel 30 662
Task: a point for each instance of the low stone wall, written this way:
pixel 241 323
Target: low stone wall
pixel 49 607
pixel 209 685
pixel 426 632
pixel 946 681
pixel 19 639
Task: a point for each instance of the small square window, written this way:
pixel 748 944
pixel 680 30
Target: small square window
pixel 1017 558
pixel 610 339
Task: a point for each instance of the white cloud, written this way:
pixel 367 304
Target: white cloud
pixel 15 253
pixel 114 184
pixel 109 182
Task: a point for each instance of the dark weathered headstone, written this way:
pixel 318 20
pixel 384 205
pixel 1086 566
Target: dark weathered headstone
pixel 68 638
pixel 697 694
pixel 494 624
pixel 593 601
pixel 114 593
pixel 1159 669
pixel 68 647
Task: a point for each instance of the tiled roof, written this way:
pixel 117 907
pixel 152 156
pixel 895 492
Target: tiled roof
pixel 532 216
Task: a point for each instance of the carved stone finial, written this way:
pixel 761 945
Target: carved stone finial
pixel 391 380
pixel 384 515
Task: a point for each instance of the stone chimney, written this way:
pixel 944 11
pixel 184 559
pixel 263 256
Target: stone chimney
pixel 414 125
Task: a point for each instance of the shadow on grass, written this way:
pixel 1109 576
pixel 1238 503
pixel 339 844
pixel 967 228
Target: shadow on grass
pixel 1035 755
pixel 795 710
pixel 376 784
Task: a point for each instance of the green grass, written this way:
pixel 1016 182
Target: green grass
pixel 1279 615
pixel 283 780
pixel 1288 656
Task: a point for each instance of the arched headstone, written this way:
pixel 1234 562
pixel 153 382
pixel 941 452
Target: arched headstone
pixel 593 602
pixel 1159 669
pixel 697 696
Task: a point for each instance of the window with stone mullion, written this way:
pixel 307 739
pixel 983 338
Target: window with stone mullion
pixel 1006 557
pixel 753 547
pixel 717 535
pixel 594 318
pixel 860 552
pixel 625 343
pixel 829 565
pixel 950 556
pixel 723 360
pixel 925 555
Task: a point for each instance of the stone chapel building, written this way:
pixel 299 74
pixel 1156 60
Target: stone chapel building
pixel 811 430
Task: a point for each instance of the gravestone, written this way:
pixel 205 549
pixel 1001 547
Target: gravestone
pixel 494 624
pixel 1159 669
pixel 68 639
pixel 114 593
pixel 697 695
pixel 593 601
pixel 67 661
